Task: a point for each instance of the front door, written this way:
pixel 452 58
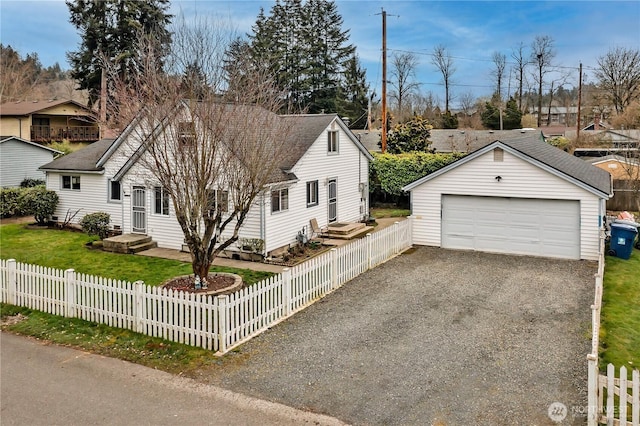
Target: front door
pixel 332 197
pixel 138 210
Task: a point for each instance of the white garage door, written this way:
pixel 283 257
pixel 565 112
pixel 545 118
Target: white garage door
pixel 549 228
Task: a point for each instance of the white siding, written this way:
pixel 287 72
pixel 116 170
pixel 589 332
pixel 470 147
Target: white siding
pixel 91 198
pixel 19 161
pixel 519 179
pixel 350 167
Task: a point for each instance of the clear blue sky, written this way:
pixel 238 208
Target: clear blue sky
pixel 471 30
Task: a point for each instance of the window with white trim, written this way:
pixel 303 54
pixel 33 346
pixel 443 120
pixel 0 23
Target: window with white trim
pixel 312 193
pixel 218 201
pixel 71 182
pixel 186 133
pixel 161 201
pixel 332 142
pixel 279 200
pixel 115 191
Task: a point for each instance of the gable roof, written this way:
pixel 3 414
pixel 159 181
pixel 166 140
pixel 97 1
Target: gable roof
pixel 306 128
pixel 28 107
pixel 4 139
pixel 84 160
pixel 539 153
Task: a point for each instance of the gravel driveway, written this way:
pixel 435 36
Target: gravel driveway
pixel 431 337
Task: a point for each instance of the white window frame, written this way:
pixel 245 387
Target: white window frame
pixel 313 192
pixel 283 200
pixel 333 142
pixel 165 205
pixel 110 191
pixel 217 196
pixel 74 182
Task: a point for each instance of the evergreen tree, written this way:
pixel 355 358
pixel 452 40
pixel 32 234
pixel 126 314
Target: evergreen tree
pixel 303 45
pixel 511 116
pixel 110 28
pixel 353 99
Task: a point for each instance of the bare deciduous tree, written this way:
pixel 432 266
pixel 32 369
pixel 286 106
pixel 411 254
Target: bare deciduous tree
pixel 442 59
pixel 542 53
pixel 213 151
pixel 519 56
pixel 499 63
pixel 403 72
pixel 619 75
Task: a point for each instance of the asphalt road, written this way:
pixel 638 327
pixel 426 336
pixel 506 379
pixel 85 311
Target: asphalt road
pixel 432 337
pixel 44 384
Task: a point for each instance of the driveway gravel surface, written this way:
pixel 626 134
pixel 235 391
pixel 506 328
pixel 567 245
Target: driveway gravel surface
pixel 431 337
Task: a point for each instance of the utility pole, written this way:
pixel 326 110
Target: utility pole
pixel 579 102
pixel 384 82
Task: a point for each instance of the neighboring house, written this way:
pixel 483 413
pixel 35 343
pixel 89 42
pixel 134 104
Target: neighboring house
pixel 49 121
pixel 557 115
pixel 21 159
pixel 620 168
pixel 468 140
pixel 516 196
pixel 325 177
pixel 601 143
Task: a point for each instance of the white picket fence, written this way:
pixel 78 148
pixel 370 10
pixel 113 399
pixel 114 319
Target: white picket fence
pixel 217 323
pixel 620 405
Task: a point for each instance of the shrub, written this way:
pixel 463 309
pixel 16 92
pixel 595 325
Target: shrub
pixel 96 224
pixel 388 173
pixel 9 202
pixel 30 183
pixel 39 202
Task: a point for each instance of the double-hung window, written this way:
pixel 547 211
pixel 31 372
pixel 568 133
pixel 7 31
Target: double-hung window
pixel 279 200
pixel 186 133
pixel 312 193
pixel 161 201
pixel 332 142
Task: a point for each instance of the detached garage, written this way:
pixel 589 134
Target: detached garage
pixel 518 196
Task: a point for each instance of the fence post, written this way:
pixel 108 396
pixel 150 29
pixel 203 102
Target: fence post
pixel 592 390
pixel 286 290
pixel 411 224
pixel 70 292
pixel 12 284
pixel 140 304
pixel 221 301
pixel 334 268
pixel 369 257
pixel 396 238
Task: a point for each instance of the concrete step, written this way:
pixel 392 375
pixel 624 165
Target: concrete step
pixel 122 243
pixel 142 247
pixel 360 231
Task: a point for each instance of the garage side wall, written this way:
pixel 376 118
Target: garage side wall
pixel 518 179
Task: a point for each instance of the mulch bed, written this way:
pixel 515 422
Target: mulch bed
pixel 215 282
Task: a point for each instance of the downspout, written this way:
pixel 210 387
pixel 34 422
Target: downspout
pixel 263 225
pixel 19 126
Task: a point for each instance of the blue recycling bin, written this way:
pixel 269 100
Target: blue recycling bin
pixel 622 238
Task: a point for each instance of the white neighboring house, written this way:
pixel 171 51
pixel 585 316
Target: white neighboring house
pixel 515 196
pixel 20 159
pixel 325 177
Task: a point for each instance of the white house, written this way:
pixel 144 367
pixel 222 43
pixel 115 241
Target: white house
pixel 516 196
pixel 20 160
pixel 325 176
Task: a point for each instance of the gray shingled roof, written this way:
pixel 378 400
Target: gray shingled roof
pixel 83 160
pixel 305 129
pixel 562 162
pixel 532 147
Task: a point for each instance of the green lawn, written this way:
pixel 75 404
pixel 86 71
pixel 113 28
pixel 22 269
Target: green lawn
pixel 620 317
pixel 66 249
pixel 380 212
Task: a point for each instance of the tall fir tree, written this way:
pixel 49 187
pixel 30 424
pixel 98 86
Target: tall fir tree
pixel 303 45
pixel 353 97
pixel 110 28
